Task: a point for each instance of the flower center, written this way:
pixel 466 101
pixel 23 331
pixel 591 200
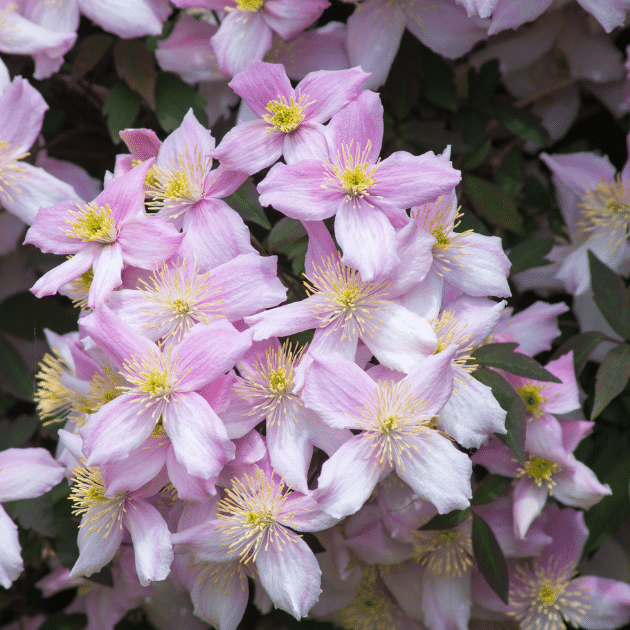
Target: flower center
pixel 92 223
pixel 353 171
pixel 607 205
pixel 548 595
pixel 346 301
pixel 285 116
pixel 249 5
pixel 540 470
pixel 446 552
pixel 532 397
pixel 10 171
pixel 448 330
pixel 443 241
pixel 250 513
pixel 270 384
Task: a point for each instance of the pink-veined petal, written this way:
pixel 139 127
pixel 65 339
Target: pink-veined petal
pixel 307 142
pixel 261 83
pixel 67 271
pixel 107 274
pixel 146 241
pixel 26 473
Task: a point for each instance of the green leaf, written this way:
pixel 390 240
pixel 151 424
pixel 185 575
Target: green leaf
pixel 432 135
pixel 476 157
pixel 509 176
pixel 121 108
pixel 14 433
pixel 438 84
pixel 173 99
pixel 245 202
pixel 512 403
pixel 606 516
pixel 67 528
pixel 529 254
pixel 489 557
pixel 482 85
pixel 447 521
pixel 90 51
pixel 401 91
pixel 535 194
pixel 611 296
pixel 582 345
pixel 135 65
pixel 503 357
pixel 490 488
pixel 34 514
pixel 493 204
pixel 285 232
pixel 612 377
pixel 471 126
pixel 15 375
pixel 518 121
pixel 63 621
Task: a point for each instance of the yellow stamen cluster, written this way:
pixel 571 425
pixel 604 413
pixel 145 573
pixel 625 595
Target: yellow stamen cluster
pixel 442 226
pixel 10 170
pixel 353 171
pixel 285 116
pixel 183 299
pixel 346 301
pixel 251 512
pixel 540 470
pixel 533 398
pixel 543 596
pixel 55 402
pixel 100 513
pixel 183 182
pixel 80 288
pixel 104 387
pixel 249 5
pixel 446 552
pixel 92 224
pixel 448 330
pixel 218 576
pixel 373 607
pixel 607 205
pixel 271 383
pixel 392 415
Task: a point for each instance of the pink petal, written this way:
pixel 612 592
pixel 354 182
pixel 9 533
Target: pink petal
pixel 529 501
pixel 284 320
pixel 307 142
pixel 26 473
pixel 261 83
pixel 11 564
pixel 67 271
pixel 287 19
pixel 107 274
pixel 146 241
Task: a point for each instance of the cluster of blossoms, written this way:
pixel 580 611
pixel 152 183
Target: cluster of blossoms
pixel 207 447
pixel 200 442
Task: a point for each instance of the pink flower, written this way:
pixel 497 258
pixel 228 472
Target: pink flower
pixel 162 387
pixel 102 235
pixel 25 473
pixel 368 196
pixel 290 118
pixel 394 433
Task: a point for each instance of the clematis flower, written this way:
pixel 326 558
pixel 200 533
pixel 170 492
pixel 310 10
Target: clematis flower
pixel 290 118
pixel 102 235
pixel 395 433
pixel 25 473
pixel 23 187
pixel 162 388
pixel 368 196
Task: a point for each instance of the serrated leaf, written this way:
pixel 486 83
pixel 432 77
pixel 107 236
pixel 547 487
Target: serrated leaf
pixel 173 99
pixel 447 521
pixel 63 621
pixel 438 84
pixel 606 516
pixel 135 65
pixel 90 51
pixel 490 488
pixel 15 375
pixel 582 345
pixel 509 176
pixel 493 204
pixel 482 85
pixel 285 232
pixel 528 254
pixel 611 296
pixel 245 202
pixel 489 557
pixel 512 403
pixel 121 108
pixel 474 159
pixel 612 377
pixel 519 121
pixel 503 357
